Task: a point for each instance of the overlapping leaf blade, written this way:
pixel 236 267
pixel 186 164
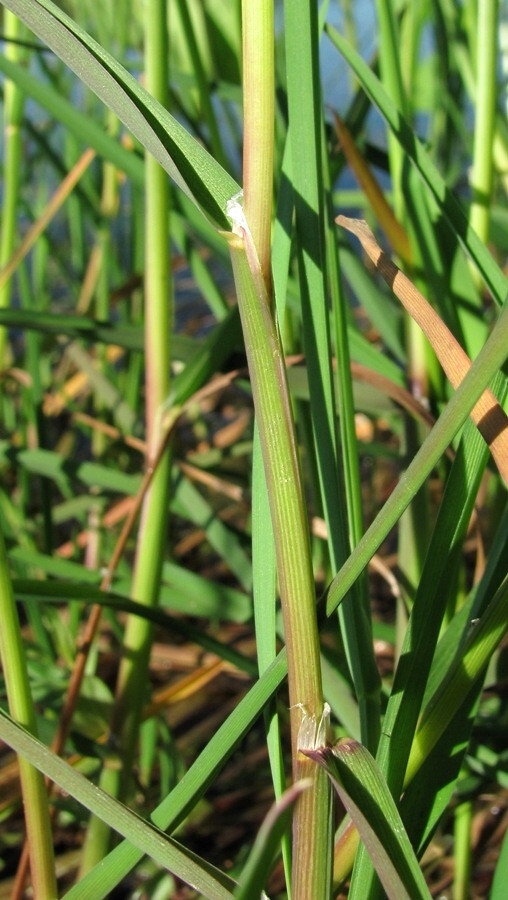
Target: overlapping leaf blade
pixel 190 166
pixel 364 792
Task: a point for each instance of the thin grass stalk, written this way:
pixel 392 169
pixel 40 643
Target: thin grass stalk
pixel 37 819
pixel 158 329
pixel 133 673
pixel 311 830
pixel 108 209
pixel 460 20
pixel 13 102
pixel 251 257
pixel 35 797
pixel 413 525
pixel 411 26
pixel 463 850
pixel 485 116
pixel 358 636
pixel 34 365
pixel 391 76
pixel 259 119
pixel 305 135
pixel 306 138
pixel 264 571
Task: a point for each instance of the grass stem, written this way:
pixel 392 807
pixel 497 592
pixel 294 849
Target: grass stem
pixel 132 677
pixel 35 797
pixel 482 172
pixel 14 31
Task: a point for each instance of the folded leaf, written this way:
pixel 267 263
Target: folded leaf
pixel 364 793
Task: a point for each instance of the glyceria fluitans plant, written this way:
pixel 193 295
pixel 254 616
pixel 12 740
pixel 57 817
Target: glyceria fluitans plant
pixel 256 187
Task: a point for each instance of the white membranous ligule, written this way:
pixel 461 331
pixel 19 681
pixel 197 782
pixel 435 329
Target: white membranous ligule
pixel 313 733
pixel 234 212
pixel 240 227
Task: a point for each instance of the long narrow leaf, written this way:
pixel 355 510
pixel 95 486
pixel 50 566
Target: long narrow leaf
pixel 364 792
pixel 190 166
pixel 257 868
pixel 141 834
pixel 485 366
pixel 103 878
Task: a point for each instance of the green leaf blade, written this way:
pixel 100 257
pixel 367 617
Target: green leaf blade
pixel 189 164
pixel 363 791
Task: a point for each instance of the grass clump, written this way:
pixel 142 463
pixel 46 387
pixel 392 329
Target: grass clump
pixel 253 506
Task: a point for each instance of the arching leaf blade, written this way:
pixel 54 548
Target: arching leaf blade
pixel 183 158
